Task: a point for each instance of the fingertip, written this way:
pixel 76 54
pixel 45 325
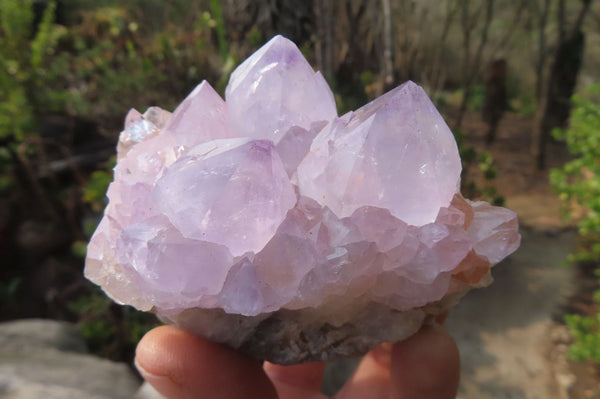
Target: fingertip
pixel 179 364
pixel 427 365
pixel 155 366
pixel 150 353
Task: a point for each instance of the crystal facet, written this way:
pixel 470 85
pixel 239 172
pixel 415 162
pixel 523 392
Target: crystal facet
pixel 276 89
pixel 269 223
pixel 395 153
pixel 201 194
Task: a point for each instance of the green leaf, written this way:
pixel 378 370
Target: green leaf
pixel 95 190
pixel 578 182
pixel 43 42
pixel 79 249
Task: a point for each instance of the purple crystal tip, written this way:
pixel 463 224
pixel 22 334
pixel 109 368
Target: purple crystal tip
pixel 271 224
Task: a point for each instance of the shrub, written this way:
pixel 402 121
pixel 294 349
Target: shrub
pixel 578 184
pixel 475 164
pixel 477 98
pixel 24 50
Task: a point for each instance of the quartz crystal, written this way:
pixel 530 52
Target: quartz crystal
pixel 268 223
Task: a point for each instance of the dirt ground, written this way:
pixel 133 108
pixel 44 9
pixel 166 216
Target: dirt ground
pixel 512 339
pixel 503 331
pixel 526 190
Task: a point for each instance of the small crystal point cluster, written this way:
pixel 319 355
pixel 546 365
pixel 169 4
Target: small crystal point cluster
pixel 269 223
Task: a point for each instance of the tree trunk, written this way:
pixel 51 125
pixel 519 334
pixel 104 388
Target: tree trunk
pixel 324 45
pixel 438 76
pixel 496 101
pixel 471 66
pixel 388 53
pixel 541 61
pixel 561 84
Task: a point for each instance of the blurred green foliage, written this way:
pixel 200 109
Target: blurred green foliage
pixel 25 81
pixel 30 80
pixel 94 192
pixel 524 104
pixel 476 98
pixel 108 327
pixel 586 333
pixel 474 163
pixel 109 57
pixel 578 184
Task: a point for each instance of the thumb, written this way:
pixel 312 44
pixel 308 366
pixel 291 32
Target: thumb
pixel 180 365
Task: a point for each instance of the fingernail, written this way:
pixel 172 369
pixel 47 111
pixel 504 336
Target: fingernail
pixel 162 383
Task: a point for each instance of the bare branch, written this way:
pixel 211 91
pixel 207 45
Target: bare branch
pixel 581 16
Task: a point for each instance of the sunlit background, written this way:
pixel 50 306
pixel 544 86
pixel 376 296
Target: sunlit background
pixel 502 72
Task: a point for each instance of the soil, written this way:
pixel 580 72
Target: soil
pixel 526 189
pixel 503 331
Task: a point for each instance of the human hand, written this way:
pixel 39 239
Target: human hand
pixel 180 365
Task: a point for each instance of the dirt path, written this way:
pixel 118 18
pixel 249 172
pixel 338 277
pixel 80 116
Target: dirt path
pixel 503 331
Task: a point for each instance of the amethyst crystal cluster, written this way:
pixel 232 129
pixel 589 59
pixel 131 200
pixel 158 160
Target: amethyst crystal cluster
pixel 269 223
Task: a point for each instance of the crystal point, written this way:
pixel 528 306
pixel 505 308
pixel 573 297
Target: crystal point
pixel 139 127
pixel 276 89
pixel 201 117
pixel 396 153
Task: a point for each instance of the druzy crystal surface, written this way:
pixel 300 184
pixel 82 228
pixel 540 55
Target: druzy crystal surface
pixel 269 223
